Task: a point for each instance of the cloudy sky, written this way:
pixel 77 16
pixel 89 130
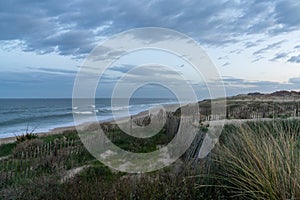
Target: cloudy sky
pixel 254 44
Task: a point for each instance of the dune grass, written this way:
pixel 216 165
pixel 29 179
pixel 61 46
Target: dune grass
pixel 259 160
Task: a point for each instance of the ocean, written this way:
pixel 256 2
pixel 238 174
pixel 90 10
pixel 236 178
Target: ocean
pixel 41 115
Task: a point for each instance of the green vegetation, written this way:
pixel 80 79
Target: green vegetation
pixel 6 149
pixel 255 160
pixel 138 145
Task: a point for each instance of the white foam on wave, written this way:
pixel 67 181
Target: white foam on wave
pixel 84 113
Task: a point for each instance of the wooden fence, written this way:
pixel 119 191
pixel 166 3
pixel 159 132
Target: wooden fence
pixel 29 162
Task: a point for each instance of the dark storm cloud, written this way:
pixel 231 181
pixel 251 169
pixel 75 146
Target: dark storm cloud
pixel 74 27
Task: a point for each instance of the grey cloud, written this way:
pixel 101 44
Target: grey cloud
pixel 250 44
pixel 257 58
pixel 228 79
pixel 237 51
pixel 155 73
pixel 33 77
pixel 52 70
pixel 145 71
pixel 279 56
pixel 297 47
pixel 226 64
pixel 223 58
pixel 287 14
pixel 295 80
pixel 236 86
pixel 74 27
pixel 253 44
pixel 67 43
pixel 35 85
pixel 121 69
pixel 40 84
pixel 269 47
pixel 294 59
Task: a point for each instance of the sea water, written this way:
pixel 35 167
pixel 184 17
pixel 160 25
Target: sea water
pixel 18 116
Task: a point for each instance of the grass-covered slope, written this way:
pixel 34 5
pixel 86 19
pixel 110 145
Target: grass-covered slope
pixel 257 160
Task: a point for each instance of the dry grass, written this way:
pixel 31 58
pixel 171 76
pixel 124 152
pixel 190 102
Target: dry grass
pixel 260 160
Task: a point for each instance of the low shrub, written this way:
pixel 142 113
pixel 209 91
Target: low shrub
pixel 26 136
